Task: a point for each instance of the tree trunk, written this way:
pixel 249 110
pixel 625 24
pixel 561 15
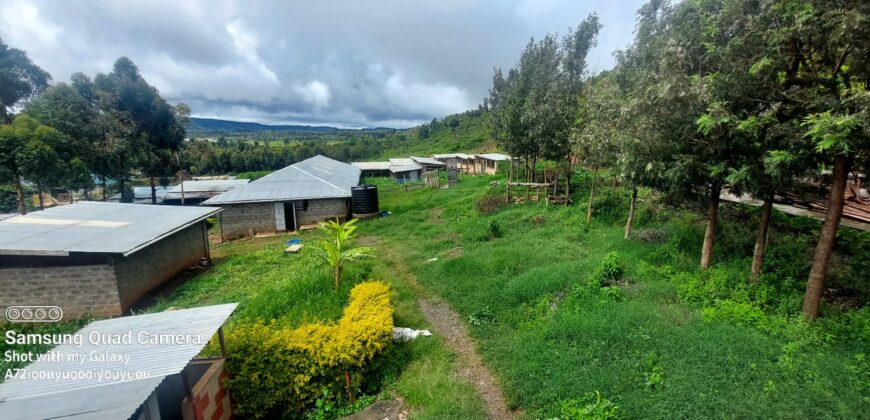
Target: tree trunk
pixel 567 184
pixel 153 192
pixel 591 194
pixel 19 194
pixel 827 237
pixel 712 221
pixel 39 194
pixel 631 209
pixel 105 188
pixel 761 239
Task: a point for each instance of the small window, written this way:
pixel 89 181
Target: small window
pixel 304 205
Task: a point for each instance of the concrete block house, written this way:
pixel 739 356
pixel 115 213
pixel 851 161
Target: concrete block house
pixel 97 257
pixel 304 193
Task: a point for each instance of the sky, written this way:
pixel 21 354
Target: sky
pixel 346 63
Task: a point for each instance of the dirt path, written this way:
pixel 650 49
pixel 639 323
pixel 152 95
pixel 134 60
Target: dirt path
pixel 447 323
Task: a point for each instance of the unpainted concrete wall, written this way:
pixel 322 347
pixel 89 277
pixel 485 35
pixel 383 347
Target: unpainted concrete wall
pixel 76 289
pixel 149 268
pixel 321 210
pixel 237 220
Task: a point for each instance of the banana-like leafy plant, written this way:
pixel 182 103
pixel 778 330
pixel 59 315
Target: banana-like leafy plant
pixel 335 247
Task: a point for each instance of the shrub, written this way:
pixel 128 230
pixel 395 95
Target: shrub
pixel 591 407
pixel 655 236
pixel 702 287
pixel 278 370
pixel 482 316
pixel 735 312
pixel 494 229
pixel 490 203
pixel 610 269
pixel 653 372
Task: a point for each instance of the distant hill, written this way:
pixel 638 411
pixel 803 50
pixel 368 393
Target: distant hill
pixel 213 125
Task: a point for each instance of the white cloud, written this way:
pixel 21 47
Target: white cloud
pixel 21 22
pixel 342 62
pixel 314 92
pixel 246 44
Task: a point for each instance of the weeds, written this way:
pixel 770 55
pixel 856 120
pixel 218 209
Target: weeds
pixel 593 406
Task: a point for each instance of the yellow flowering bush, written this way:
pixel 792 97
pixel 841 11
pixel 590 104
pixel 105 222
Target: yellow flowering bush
pixel 278 370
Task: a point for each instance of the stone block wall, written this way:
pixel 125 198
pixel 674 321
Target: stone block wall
pixel 76 289
pixel 322 209
pixel 150 267
pixel 238 219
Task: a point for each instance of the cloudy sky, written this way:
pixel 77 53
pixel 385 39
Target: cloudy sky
pixel 348 63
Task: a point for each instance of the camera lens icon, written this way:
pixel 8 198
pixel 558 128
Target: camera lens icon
pixel 34 314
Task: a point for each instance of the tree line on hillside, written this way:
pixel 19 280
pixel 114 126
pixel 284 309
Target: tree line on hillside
pixel 115 128
pixel 69 134
pixel 744 95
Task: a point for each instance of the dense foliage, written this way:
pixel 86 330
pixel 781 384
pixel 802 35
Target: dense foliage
pixel 279 370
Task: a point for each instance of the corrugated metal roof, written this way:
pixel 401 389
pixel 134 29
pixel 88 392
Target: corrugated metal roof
pixel 204 188
pixel 317 177
pixel 427 161
pixel 452 156
pixel 94 226
pixel 494 156
pixel 372 166
pixel 112 398
pixel 405 168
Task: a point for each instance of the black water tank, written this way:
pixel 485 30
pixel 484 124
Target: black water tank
pixel 364 199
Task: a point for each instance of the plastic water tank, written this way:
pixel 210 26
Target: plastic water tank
pixel 364 199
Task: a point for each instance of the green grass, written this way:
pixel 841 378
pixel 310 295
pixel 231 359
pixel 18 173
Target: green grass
pixel 296 289
pixel 543 356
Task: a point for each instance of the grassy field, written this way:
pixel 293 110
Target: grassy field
pixel 519 276
pixel 296 289
pixel 661 341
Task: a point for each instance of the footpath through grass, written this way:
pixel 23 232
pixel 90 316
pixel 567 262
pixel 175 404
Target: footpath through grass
pixel 297 289
pixel 520 278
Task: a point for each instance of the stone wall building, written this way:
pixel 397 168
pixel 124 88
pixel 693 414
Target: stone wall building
pixel 304 193
pixel 97 257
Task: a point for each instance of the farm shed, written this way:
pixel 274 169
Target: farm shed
pixel 142 195
pixel 460 161
pixel 152 375
pixel 405 170
pixel 95 256
pixel 307 192
pixel 195 192
pixel 429 164
pixel 487 163
pixel 373 169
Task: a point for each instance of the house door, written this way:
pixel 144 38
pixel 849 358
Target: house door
pixel 290 216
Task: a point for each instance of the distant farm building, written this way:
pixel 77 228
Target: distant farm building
pixel 307 192
pixel 95 256
pixel 164 378
pixel 195 192
pixel 405 170
pixel 488 163
pixel 461 161
pixel 373 169
pixel 429 164
pixel 142 195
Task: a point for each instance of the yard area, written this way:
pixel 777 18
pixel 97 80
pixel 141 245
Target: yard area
pixel 661 341
pixel 517 276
